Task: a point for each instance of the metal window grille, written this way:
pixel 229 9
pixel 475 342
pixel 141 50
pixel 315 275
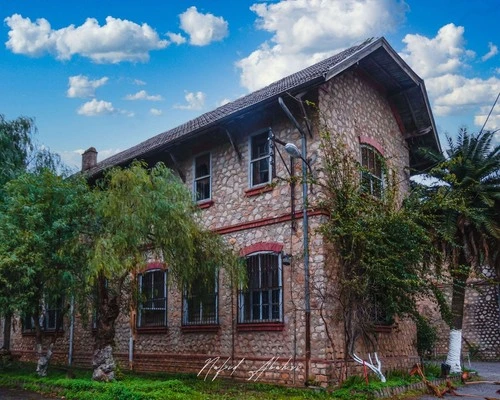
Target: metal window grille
pixel 152 299
pixel 372 173
pixel 262 301
pixel 260 159
pixel 201 304
pixel 202 177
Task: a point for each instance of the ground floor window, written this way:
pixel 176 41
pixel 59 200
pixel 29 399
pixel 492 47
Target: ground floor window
pixel 200 303
pixel 262 300
pixel 152 302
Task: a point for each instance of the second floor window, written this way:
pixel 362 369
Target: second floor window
pixel 262 300
pixel 152 307
pixel 372 173
pixel 260 159
pixel 200 304
pixel 202 177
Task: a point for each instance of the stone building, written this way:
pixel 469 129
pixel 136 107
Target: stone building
pixel 273 331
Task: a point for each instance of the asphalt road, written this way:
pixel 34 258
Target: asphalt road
pixel 488 371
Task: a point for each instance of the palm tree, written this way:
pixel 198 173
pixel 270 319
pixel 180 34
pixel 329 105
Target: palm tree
pixel 465 200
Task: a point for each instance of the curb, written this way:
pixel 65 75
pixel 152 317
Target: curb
pixel 392 391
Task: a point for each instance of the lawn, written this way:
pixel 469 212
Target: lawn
pixel 177 387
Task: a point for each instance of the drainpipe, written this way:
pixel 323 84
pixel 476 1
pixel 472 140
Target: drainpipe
pixel 71 329
pixel 305 222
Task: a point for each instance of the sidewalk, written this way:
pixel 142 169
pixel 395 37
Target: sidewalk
pixel 488 371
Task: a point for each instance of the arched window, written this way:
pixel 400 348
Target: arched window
pixel 262 300
pixel 372 172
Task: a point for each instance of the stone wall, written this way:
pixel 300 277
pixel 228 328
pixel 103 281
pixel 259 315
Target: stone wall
pixel 349 106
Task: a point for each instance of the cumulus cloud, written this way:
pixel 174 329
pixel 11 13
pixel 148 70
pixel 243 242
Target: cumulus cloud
pixel 116 41
pixel 81 86
pixel 176 38
pixel 202 29
pixel 138 82
pixel 143 95
pixel 307 31
pixel 195 101
pixel 493 52
pixel 443 61
pixel 445 53
pixel 493 123
pixel 223 102
pixel 96 107
pixel 156 112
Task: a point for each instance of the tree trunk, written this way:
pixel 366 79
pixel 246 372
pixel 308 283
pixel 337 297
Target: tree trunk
pixel 108 308
pixel 6 331
pixel 42 365
pixel 457 309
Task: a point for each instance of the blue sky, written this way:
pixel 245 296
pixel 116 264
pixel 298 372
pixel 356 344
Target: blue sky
pixel 113 73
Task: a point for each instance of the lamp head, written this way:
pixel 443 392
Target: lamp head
pixel 293 150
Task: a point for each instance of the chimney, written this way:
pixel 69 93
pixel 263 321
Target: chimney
pixel 89 159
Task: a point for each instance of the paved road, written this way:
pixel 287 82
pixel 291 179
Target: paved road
pixel 16 394
pixel 488 371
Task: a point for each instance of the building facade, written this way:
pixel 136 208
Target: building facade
pixel 274 330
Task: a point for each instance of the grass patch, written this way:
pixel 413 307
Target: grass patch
pixel 162 386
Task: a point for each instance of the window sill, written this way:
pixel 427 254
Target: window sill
pixel 205 204
pixel 260 326
pixel 152 329
pixel 45 333
pixel 199 328
pixel 256 190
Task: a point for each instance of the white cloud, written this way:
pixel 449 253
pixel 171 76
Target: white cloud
pixel 143 95
pixel 176 38
pixel 138 82
pixel 156 112
pixel 73 158
pixel 202 28
pixel 81 86
pixel 306 31
pixel 443 54
pixel 96 107
pixel 493 52
pixel 116 41
pixel 493 123
pixel 223 102
pixel 196 101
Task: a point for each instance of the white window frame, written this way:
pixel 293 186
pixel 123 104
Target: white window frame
pixel 242 318
pixel 252 161
pixel 140 307
pixel 198 178
pixel 185 310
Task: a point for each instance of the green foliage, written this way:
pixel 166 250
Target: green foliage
pixel 426 336
pixel 383 252
pixel 139 209
pixel 41 218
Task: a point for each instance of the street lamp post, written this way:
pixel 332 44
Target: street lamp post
pixel 293 151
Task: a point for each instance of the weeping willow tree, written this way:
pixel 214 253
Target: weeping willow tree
pixel 140 211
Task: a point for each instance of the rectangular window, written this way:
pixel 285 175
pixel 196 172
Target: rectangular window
pixel 202 177
pixel 262 301
pixel 371 175
pixel 49 318
pixel 260 159
pixel 152 307
pixel 200 304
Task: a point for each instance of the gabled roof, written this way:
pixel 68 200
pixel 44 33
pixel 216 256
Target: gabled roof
pixel 376 57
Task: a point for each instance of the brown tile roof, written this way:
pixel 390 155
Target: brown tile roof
pixel 306 77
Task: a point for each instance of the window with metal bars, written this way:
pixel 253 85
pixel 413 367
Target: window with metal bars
pixel 48 318
pixel 262 300
pixel 372 172
pixel 202 177
pixel 260 159
pixel 200 303
pixel 152 307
